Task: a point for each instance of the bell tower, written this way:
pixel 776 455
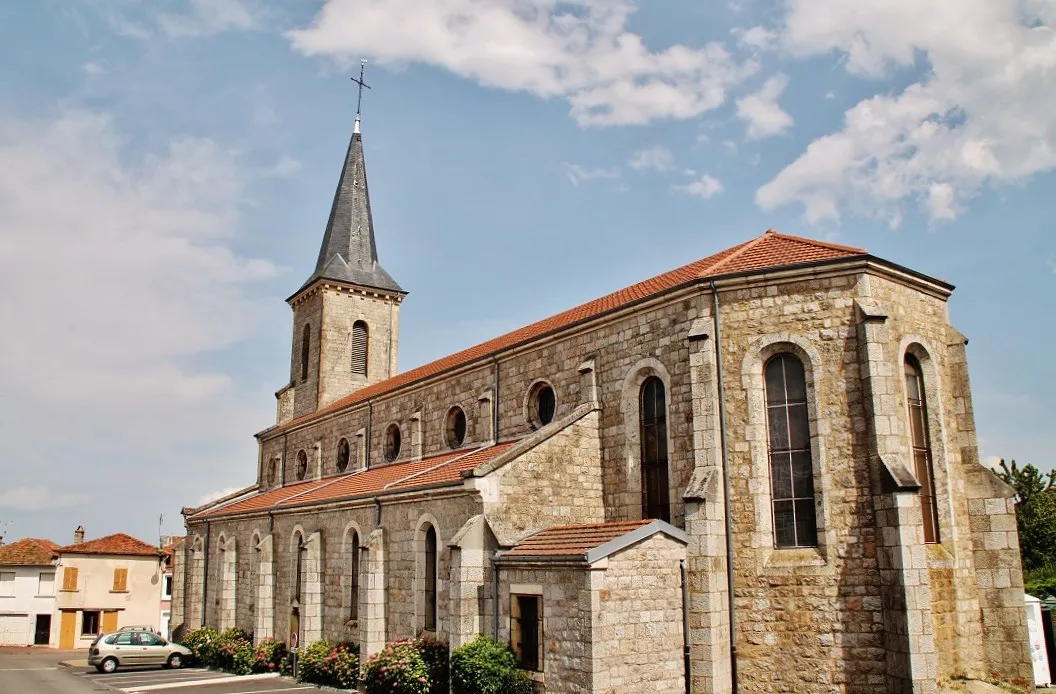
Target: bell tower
pixel 346 316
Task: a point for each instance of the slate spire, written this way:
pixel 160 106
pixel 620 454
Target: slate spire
pixel 349 253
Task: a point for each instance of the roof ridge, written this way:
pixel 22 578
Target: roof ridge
pixel 439 465
pixel 740 250
pixel 815 242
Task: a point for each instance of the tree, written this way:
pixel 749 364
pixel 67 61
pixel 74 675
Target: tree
pixel 1035 513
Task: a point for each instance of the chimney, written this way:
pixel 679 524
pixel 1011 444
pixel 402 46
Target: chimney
pixel 78 535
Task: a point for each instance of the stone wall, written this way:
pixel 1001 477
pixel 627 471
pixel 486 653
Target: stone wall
pixel 637 611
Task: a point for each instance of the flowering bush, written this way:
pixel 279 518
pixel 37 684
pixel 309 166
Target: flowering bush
pixel 202 643
pixel 436 654
pixel 396 669
pixel 234 652
pixel 329 665
pixel 269 656
pixel 517 682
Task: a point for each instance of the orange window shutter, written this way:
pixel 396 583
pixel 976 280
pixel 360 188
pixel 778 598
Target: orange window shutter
pixel 69 578
pixel 120 580
pixel 109 622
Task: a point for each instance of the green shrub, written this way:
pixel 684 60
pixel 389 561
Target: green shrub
pixel 396 669
pixel 269 656
pixel 482 666
pixel 437 657
pixel 234 651
pixel 329 665
pixel 203 643
pixel 518 682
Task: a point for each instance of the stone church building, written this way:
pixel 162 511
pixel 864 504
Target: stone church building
pixel 775 442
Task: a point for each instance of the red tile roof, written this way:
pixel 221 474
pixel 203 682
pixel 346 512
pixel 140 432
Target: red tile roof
pixel 767 252
pixel 445 468
pixel 573 540
pixel 28 551
pixel 118 543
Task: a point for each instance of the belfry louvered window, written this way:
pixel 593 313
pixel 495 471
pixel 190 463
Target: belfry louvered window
pixel 791 465
pixel 921 440
pixel 359 348
pixel 653 431
pixel 306 348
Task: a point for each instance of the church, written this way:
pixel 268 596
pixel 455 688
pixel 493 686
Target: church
pixel 756 472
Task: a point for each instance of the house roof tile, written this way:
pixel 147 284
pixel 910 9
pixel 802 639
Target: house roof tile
pixel 118 543
pixel 572 540
pixel 28 551
pixel 445 468
pixel 770 251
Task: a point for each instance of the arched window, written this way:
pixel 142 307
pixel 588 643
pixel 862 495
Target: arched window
pixel 455 433
pixel 652 413
pixel 306 347
pixel 353 578
pixel 921 441
pixel 359 348
pixel 302 464
pixel 393 442
pixel 430 579
pixel 791 465
pixel 344 454
pixel 300 558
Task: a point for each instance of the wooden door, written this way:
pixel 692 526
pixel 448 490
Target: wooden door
pixel 109 621
pixel 67 627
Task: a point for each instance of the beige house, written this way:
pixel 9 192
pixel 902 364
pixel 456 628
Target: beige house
pixel 105 584
pixel 797 413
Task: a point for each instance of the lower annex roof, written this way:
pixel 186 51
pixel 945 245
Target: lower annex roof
pixel 446 468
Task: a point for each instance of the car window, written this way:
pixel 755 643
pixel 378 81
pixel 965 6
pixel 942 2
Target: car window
pixel 146 639
pixel 110 639
pixel 124 640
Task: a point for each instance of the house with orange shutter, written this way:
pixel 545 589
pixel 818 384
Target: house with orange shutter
pixel 104 584
pixel 27 592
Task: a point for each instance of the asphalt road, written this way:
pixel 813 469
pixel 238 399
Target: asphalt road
pixel 37 671
pixel 34 671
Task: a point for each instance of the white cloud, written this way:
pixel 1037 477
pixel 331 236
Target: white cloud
pixel 218 494
pixel 39 499
pixel 982 115
pixel 92 68
pixel 285 167
pixel 765 118
pixel 208 17
pixel 704 187
pixel 577 50
pixel 578 174
pixel 757 37
pixel 656 158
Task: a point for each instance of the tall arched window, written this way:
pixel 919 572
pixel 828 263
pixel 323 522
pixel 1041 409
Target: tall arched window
pixel 353 578
pixel 306 348
pixel 921 442
pixel 430 579
pixel 300 558
pixel 359 348
pixel 653 422
pixel 791 466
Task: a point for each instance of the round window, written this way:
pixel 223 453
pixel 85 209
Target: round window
pixel 456 427
pixel 392 442
pixel 302 464
pixel 542 403
pixel 344 452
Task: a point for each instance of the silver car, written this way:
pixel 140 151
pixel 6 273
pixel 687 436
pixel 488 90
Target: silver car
pixel 123 648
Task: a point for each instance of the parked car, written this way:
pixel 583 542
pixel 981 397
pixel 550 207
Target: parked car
pixel 139 627
pixel 124 648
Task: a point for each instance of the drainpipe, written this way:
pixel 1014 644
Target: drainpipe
pixel 494 599
pixel 687 664
pixel 495 406
pixel 370 420
pixel 726 484
pixel 205 572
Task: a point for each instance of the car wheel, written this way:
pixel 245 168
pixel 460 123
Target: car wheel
pixel 175 661
pixel 108 665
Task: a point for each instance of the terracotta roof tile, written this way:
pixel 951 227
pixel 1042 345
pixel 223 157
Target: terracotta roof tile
pixel 572 540
pixel 28 551
pixel 118 543
pixel 437 469
pixel 769 251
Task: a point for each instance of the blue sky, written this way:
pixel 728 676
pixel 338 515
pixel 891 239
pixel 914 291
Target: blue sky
pixel 166 170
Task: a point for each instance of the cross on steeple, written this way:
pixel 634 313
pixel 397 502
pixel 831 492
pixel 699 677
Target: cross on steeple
pixel 362 84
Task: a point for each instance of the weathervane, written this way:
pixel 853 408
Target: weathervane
pixel 362 84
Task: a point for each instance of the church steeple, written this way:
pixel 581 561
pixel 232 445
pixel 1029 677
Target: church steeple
pixel 349 253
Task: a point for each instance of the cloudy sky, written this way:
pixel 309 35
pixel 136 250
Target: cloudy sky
pixel 166 170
